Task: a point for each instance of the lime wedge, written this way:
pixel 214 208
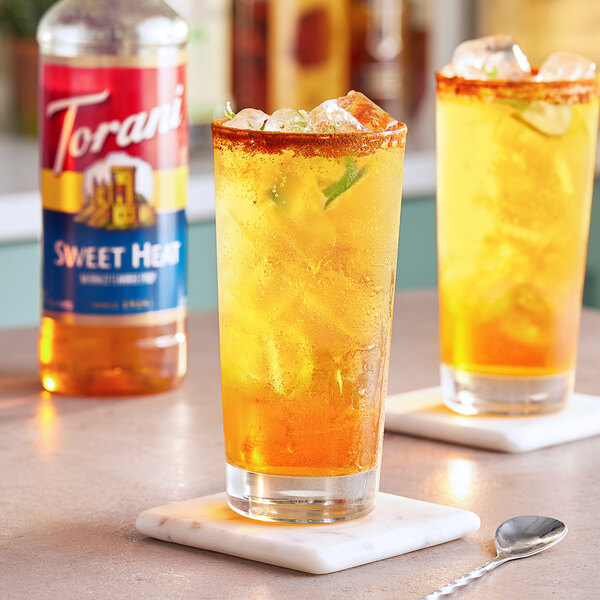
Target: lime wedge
pixel 549 119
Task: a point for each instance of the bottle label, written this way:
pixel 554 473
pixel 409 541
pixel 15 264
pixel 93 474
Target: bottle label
pixel 114 149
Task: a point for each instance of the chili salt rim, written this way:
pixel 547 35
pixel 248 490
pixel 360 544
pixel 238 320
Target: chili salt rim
pixel 581 91
pixel 353 143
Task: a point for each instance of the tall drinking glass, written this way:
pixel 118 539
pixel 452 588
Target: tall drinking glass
pixel 307 239
pixel 515 175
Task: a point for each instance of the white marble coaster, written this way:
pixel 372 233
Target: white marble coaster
pixel 396 526
pixel 422 413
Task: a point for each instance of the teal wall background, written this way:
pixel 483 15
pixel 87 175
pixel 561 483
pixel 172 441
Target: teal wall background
pixel 591 291
pixel 20 275
pixel 19 284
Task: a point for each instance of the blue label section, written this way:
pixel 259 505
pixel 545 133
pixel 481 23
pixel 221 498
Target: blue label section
pixel 96 271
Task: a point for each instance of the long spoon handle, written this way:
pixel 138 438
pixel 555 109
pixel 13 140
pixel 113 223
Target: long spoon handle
pixel 465 579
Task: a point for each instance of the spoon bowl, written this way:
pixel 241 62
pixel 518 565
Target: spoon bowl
pixel 523 536
pixel 518 537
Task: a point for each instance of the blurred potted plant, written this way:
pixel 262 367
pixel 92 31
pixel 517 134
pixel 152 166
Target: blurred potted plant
pixel 18 22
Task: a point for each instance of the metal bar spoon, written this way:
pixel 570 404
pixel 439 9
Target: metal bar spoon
pixel 518 537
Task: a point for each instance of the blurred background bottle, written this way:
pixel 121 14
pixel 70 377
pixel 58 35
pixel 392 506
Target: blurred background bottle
pixel 209 60
pixel 380 53
pixel 293 53
pixel 113 152
pixel 542 27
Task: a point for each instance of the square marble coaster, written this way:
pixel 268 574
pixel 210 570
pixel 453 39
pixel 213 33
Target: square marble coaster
pixel 396 526
pixel 422 413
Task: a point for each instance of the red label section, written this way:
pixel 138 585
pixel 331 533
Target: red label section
pixel 89 112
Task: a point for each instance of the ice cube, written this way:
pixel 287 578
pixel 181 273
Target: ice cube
pixel 330 117
pixel 565 66
pixel 366 112
pixel 490 58
pixel 287 119
pixel 527 316
pixel 249 118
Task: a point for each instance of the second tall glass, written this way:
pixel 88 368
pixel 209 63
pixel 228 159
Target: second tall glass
pixel 515 175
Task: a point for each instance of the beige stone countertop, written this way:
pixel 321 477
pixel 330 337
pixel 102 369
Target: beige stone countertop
pixel 75 473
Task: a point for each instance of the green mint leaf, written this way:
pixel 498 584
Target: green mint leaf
pixel 274 195
pixel 344 183
pixel 229 111
pixel 492 74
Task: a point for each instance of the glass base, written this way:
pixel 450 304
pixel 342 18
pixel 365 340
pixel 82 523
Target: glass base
pixel 473 393
pixel 288 499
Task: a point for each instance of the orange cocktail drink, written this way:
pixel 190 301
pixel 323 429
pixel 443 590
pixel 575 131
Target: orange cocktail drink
pixel 515 176
pixel 307 236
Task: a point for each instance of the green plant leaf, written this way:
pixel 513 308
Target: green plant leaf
pixel 344 183
pixel 19 18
